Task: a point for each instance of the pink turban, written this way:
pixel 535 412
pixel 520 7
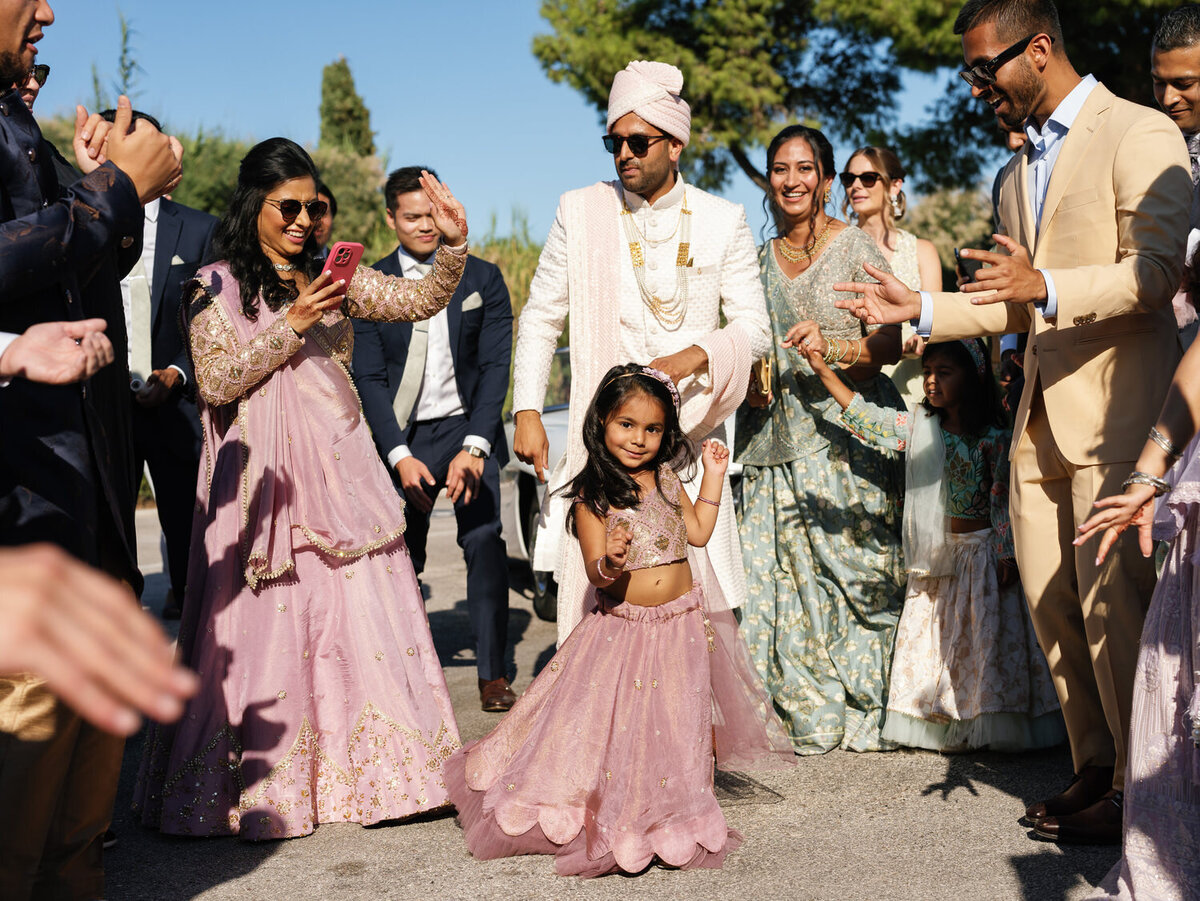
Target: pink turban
pixel 651 90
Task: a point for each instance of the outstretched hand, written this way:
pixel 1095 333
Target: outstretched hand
pixel 1009 277
pixel 58 353
pixel 448 214
pixel 1116 514
pixel 889 302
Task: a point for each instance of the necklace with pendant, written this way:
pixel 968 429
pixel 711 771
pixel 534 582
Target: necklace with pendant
pixel 796 254
pixel 671 311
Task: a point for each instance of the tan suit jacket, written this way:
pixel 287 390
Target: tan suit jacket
pixel 1113 235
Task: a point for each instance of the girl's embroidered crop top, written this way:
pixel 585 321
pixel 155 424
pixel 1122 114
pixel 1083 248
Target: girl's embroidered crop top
pixel 659 532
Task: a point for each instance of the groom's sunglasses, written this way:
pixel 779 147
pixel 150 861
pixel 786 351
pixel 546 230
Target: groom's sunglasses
pixel 290 209
pixel 639 145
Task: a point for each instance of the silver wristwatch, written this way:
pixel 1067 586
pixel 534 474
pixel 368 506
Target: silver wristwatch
pixel 475 451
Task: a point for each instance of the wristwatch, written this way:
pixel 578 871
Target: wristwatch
pixel 475 451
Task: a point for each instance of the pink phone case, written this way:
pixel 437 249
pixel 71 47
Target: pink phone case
pixel 342 260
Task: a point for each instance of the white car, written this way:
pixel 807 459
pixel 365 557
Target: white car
pixel 521 494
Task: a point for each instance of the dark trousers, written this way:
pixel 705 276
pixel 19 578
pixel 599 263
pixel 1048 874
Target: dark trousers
pixel 435 443
pixel 167 440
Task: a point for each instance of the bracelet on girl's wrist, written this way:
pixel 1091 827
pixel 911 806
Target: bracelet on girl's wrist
pixel 705 500
pixel 600 569
pixel 1160 486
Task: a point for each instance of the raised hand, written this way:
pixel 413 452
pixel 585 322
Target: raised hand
pixel 889 302
pixel 1116 514
pixel 91 134
pixel 151 159
pixel 58 353
pixel 1010 277
pixel 448 214
pixel 321 295
pixel 714 457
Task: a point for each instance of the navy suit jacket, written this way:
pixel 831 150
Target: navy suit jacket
pixel 480 344
pixel 50 487
pixel 184 234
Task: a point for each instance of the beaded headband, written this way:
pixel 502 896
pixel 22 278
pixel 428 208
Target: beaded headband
pixel 654 374
pixel 972 347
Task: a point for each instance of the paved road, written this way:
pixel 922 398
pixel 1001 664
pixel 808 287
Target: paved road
pixel 904 825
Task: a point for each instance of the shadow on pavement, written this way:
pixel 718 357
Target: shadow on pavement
pixel 453 638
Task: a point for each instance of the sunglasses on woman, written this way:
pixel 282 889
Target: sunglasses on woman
pixel 984 75
pixel 39 73
pixel 290 209
pixel 639 145
pixel 868 179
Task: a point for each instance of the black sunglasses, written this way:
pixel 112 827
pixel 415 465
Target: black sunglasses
pixel 984 75
pixel 639 145
pixel 39 73
pixel 290 209
pixel 868 179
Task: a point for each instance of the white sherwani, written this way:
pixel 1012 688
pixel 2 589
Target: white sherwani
pixel 585 270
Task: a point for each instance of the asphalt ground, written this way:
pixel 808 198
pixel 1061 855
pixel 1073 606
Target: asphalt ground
pixel 900 825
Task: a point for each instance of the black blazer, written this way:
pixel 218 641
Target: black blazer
pixel 50 488
pixel 184 234
pixel 480 344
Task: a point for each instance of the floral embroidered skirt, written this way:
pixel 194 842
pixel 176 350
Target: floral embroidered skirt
pixel 606 761
pixel 821 544
pixel 322 700
pixel 968 671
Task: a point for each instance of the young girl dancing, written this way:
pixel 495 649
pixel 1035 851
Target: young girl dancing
pixel 606 761
pixel 967 672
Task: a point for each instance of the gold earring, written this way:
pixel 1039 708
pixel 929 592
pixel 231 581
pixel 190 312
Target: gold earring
pixel 828 195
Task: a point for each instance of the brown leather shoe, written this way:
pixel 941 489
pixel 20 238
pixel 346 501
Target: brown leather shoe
pixel 1099 824
pixel 1085 790
pixel 496 696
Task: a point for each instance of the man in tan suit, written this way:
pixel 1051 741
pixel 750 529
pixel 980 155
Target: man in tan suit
pixel 1095 211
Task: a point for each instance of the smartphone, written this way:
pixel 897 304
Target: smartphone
pixel 967 266
pixel 342 260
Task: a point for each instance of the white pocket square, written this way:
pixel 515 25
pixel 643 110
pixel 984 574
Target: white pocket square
pixel 472 302
pixel 177 260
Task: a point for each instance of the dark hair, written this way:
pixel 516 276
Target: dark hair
pixel 981 406
pixel 1013 19
pixel 110 115
pixel 823 156
pixel 323 188
pixel 1178 28
pixel 236 240
pixel 403 181
pixel 604 484
pixel 889 167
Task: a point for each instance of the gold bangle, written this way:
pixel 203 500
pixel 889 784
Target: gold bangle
pixel 857 352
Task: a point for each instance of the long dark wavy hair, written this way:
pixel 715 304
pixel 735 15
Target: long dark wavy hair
pixel 981 406
pixel 267 165
pixel 823 156
pixel 604 484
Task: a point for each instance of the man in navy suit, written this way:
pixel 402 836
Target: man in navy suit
pixel 432 393
pixel 166 425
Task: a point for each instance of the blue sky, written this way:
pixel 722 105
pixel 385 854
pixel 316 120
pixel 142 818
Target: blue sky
pixel 452 85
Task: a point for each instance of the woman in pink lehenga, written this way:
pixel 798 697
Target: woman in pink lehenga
pixel 322 698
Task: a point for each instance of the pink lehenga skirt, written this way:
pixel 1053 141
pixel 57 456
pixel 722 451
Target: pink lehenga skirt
pixel 607 760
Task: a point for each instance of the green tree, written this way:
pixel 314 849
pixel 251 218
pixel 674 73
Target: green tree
pixel 210 169
pixel 357 182
pixel 749 67
pixel 345 120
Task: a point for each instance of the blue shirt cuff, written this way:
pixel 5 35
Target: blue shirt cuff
pixel 924 324
pixel 1049 309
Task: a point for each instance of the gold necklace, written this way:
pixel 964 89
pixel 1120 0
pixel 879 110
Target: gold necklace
pixel 796 254
pixel 671 311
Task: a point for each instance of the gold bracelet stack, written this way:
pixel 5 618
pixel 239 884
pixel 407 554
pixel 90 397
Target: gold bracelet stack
pixel 1165 443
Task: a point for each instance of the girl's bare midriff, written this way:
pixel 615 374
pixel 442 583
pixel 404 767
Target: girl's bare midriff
pixel 654 585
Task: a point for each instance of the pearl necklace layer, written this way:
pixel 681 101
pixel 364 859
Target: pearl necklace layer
pixel 671 311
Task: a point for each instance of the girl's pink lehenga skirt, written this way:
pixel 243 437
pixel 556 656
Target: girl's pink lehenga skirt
pixel 606 761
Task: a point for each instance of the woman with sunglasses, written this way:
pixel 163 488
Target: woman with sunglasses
pixel 873 181
pixel 321 696
pixel 820 517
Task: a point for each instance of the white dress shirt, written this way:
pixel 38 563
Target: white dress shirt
pixel 149 244
pixel 1044 146
pixel 437 398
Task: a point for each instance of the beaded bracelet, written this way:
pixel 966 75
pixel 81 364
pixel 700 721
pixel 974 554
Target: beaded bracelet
pixel 705 500
pixel 600 571
pixel 1144 478
pixel 1165 443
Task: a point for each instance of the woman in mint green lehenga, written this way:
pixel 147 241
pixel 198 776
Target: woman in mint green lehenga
pixel 820 520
